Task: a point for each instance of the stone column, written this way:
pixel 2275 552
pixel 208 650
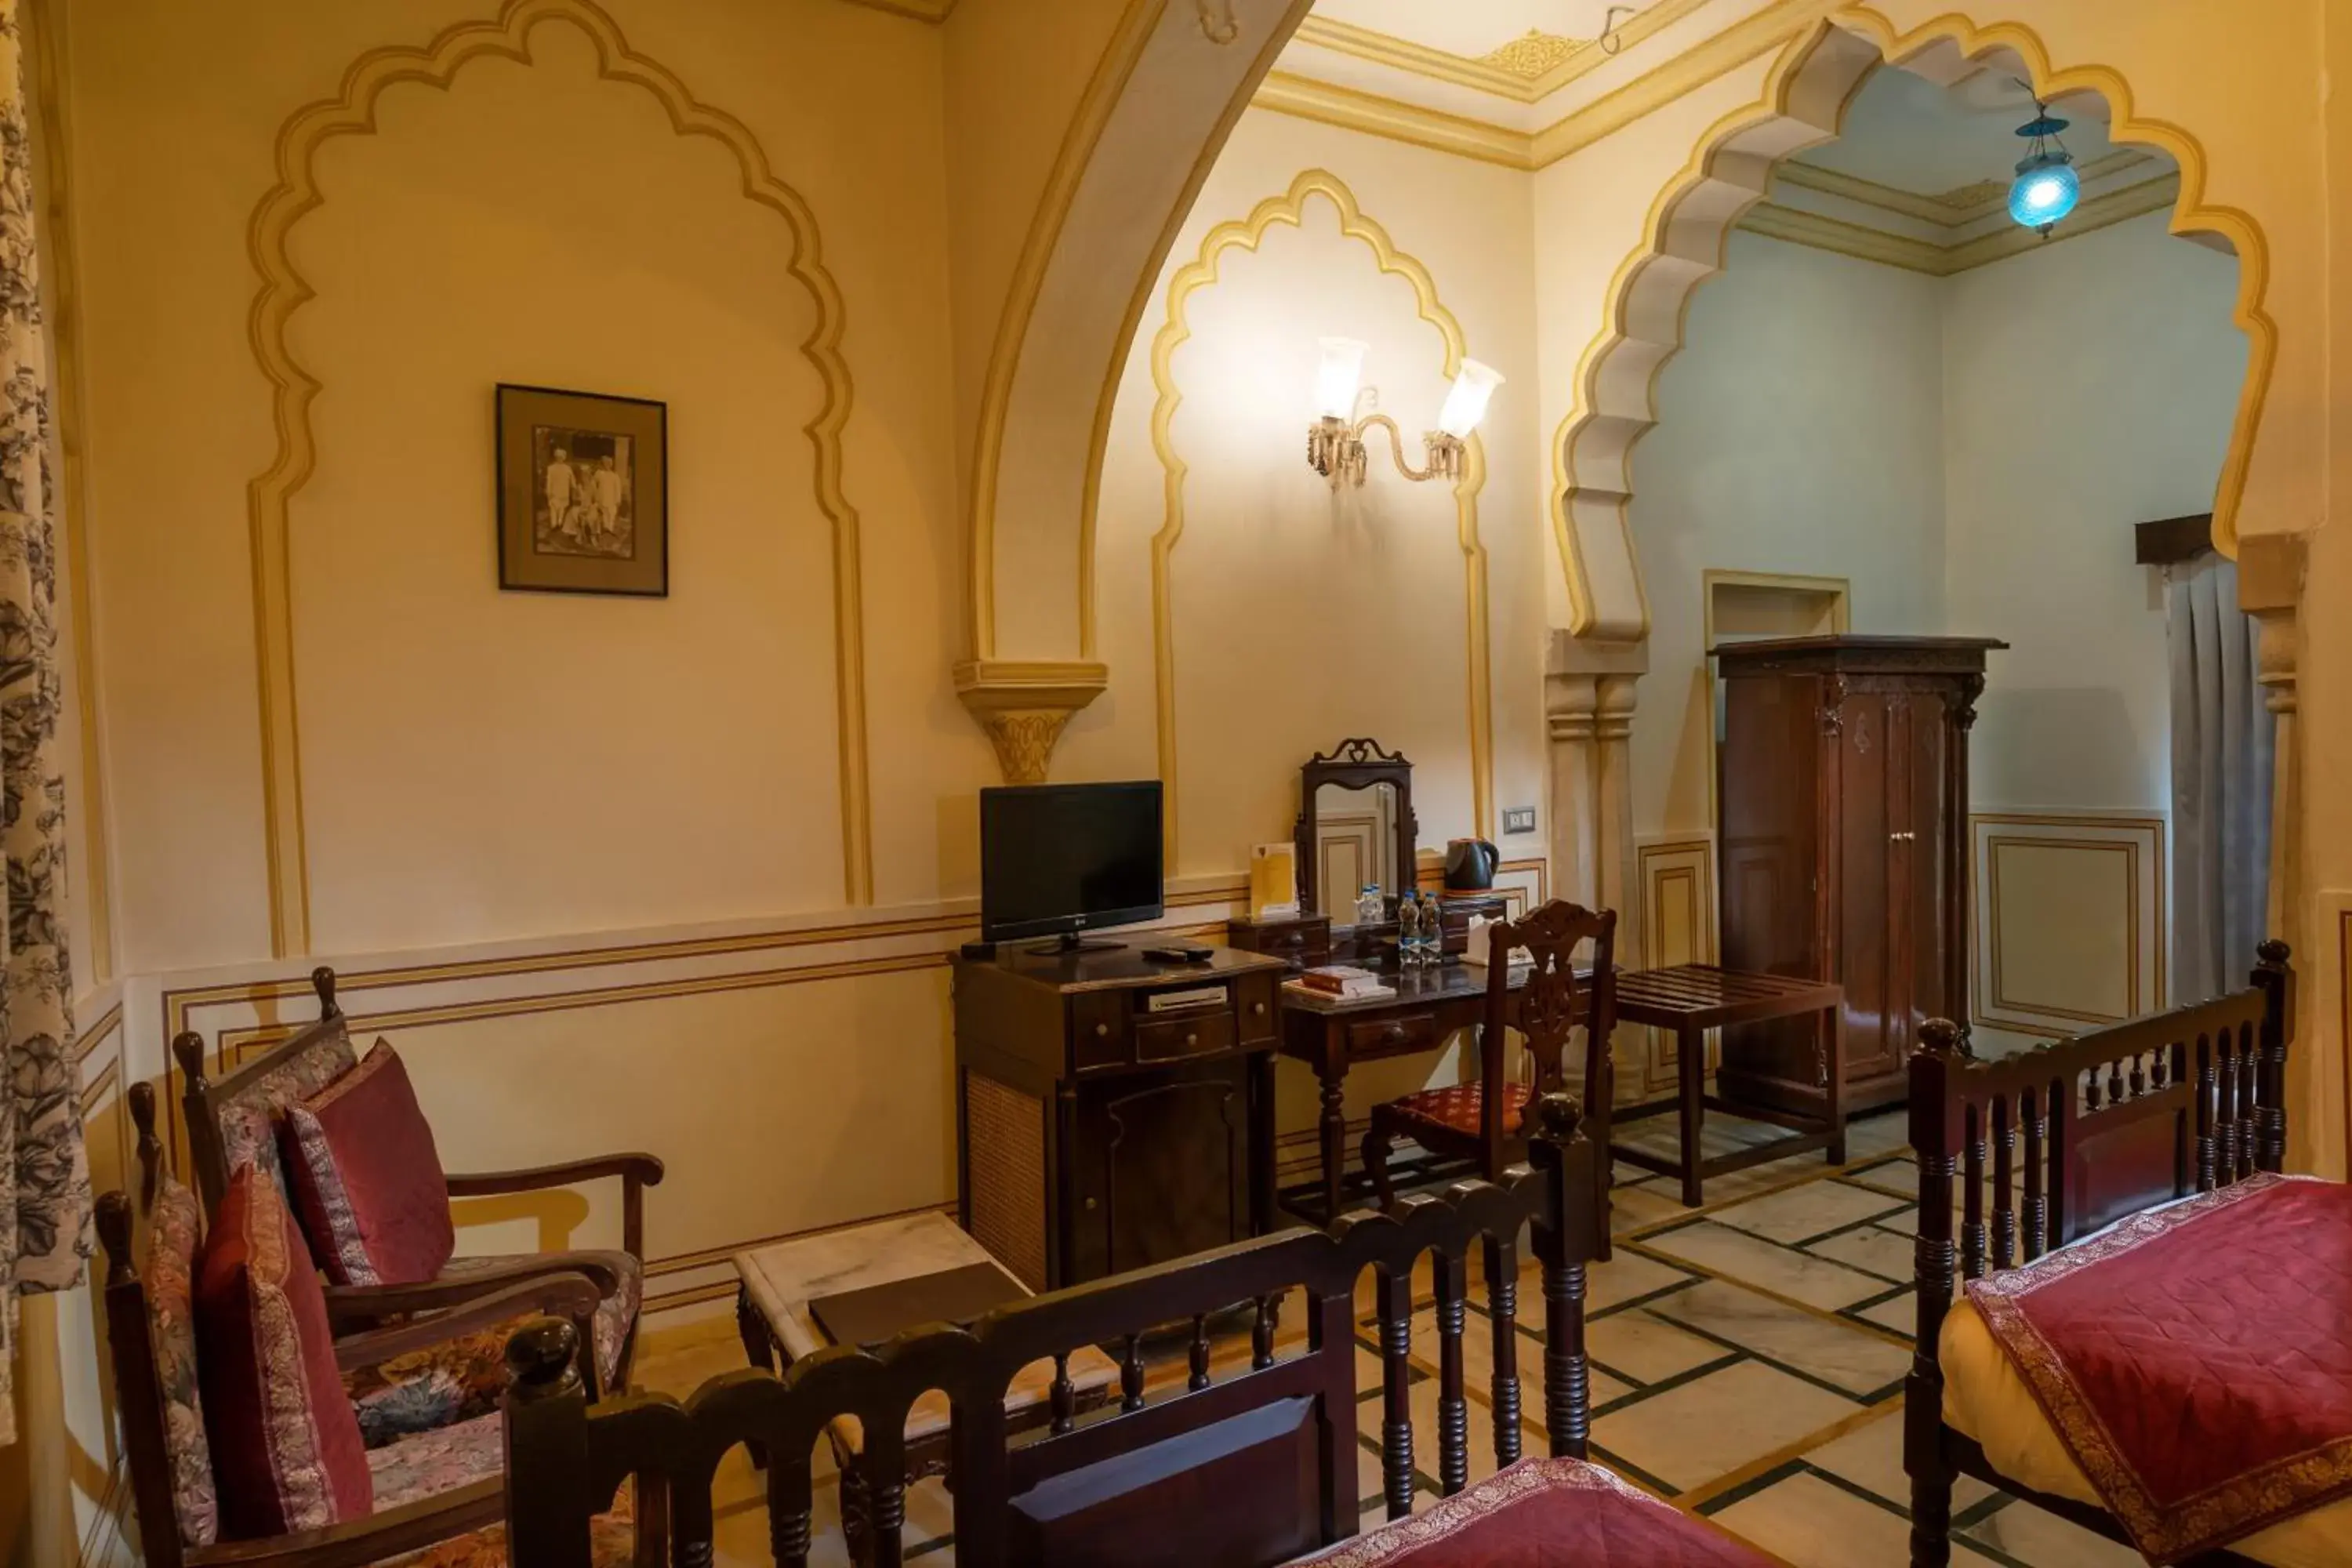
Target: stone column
pixel 1589 707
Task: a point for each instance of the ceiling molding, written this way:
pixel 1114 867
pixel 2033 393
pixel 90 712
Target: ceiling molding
pixel 1954 208
pixel 1500 71
pixel 918 10
pixel 1866 244
pixel 1287 92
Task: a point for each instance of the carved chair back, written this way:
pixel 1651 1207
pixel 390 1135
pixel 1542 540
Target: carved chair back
pixel 1546 1009
pixel 1251 1466
pixel 252 1089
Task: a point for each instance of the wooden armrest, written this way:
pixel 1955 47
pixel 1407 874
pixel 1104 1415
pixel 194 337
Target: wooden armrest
pixel 567 1295
pixel 457 1512
pixel 370 1303
pixel 634 1167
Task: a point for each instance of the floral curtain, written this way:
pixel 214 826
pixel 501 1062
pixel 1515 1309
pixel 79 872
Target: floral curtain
pixel 45 1207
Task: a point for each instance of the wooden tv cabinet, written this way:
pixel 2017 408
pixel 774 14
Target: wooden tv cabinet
pixel 1097 1134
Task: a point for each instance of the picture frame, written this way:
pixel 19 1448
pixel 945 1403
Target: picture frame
pixel 583 492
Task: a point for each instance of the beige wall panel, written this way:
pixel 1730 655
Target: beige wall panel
pixel 545 733
pixel 2070 920
pixel 777 1110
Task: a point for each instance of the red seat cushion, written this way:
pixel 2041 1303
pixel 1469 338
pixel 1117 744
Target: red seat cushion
pixel 1458 1110
pixel 285 1443
pixel 366 1179
pixel 1540 1513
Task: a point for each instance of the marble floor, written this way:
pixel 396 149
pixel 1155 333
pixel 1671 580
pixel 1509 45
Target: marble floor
pixel 1748 1365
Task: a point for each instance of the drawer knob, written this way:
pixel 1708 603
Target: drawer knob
pixel 1191 1039
pixel 1090 1206
pixel 1258 1008
pixel 1102 1031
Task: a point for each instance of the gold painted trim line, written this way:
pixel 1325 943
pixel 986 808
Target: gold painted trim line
pixel 1839 237
pixel 1994 844
pixel 681 1262
pixel 932 11
pixel 1939 210
pixel 1202 271
pixel 92 1038
pixel 1351 108
pixel 283 291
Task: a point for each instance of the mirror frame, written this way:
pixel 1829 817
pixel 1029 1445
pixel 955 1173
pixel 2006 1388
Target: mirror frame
pixel 1359 762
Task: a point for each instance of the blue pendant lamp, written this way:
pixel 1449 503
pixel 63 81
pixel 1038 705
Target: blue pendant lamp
pixel 2046 188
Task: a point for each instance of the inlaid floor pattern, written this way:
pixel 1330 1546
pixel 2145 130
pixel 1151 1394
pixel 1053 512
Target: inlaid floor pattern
pixel 1748 1365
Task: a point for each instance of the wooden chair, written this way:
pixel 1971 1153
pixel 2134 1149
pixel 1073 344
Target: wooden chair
pixel 1245 1469
pixel 406 1525
pixel 2114 1121
pixel 229 1119
pixel 1485 1121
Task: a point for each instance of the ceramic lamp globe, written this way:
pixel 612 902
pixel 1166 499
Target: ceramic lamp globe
pixel 2045 190
pixel 1465 403
pixel 1336 377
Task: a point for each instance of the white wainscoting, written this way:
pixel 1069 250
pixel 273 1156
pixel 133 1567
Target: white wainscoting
pixel 2071 929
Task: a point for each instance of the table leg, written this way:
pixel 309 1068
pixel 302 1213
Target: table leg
pixel 1335 1139
pixel 1261 1137
pixel 758 1347
pixel 1690 1062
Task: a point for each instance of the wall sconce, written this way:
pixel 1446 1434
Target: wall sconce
pixel 1335 442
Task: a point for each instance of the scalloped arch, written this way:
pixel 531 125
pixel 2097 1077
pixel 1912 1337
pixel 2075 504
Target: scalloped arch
pixel 1246 234
pixel 284 290
pixel 1647 304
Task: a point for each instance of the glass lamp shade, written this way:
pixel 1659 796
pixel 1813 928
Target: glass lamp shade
pixel 1335 380
pixel 1466 403
pixel 2046 190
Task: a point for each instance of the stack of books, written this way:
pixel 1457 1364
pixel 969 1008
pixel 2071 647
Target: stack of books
pixel 1344 982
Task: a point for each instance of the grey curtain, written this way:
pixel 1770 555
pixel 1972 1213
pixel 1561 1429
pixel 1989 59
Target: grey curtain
pixel 44 1211
pixel 2222 740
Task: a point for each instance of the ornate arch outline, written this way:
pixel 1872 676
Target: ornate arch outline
pixel 1647 304
pixel 284 290
pixel 1203 271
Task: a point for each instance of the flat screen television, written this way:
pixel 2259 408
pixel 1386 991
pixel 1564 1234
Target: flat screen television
pixel 1058 859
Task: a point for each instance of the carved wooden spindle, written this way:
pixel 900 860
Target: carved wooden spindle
pixel 1130 1375
pixel 2276 982
pixel 1199 1378
pixel 1453 1408
pixel 1262 1335
pixel 1393 1297
pixel 1941 1051
pixel 2248 1102
pixel 2225 1109
pixel 1568 1372
pixel 2004 1188
pixel 2037 1208
pixel 1972 1172
pixel 2138 1074
pixel 2093 1095
pixel 1502 1262
pixel 886 1518
pixel 2207 1145
pixel 1063 1395
pixel 789 1514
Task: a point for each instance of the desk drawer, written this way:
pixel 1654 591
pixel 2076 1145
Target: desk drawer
pixel 1259 1002
pixel 1099 1028
pixel 1200 1034
pixel 1380 1036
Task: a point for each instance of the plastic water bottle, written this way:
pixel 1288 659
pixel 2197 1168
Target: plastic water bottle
pixel 1369 911
pixel 1408 931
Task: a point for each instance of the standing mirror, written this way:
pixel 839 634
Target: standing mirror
pixel 1355 825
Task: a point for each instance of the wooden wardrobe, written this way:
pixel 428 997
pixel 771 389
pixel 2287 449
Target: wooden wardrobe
pixel 1843 821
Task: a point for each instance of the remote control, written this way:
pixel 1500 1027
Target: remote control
pixel 1180 954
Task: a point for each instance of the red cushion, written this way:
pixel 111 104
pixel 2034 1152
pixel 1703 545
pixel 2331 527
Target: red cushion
pixel 1539 1513
pixel 285 1442
pixel 366 1179
pixel 1458 1110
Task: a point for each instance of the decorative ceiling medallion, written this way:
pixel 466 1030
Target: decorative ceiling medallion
pixel 1962 197
pixel 1532 55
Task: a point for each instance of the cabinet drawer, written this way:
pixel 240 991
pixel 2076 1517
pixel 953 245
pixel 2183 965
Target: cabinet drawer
pixel 1253 999
pixel 1411 1032
pixel 1099 1028
pixel 1193 1035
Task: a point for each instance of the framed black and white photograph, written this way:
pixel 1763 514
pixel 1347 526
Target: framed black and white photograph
pixel 583 492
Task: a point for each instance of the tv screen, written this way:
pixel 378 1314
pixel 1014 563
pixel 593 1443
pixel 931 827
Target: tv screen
pixel 1060 858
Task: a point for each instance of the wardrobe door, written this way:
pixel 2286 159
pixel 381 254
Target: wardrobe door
pixel 1872 944
pixel 1930 825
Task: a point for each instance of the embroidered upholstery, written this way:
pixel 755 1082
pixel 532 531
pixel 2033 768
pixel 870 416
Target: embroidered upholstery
pixel 1544 1512
pixel 286 1447
pixel 248 1117
pixel 169 1280
pixel 1458 1109
pixel 435 1462
pixel 615 1317
pixel 366 1178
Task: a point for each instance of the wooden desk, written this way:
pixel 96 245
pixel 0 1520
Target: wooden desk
pixel 1330 1035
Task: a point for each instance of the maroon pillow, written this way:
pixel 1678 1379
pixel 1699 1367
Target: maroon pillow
pixel 286 1443
pixel 366 1179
